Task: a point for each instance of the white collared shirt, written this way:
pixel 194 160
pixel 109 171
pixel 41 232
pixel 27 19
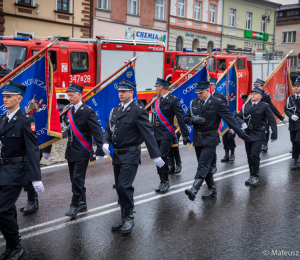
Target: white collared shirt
pixel 206 100
pixel 297 95
pixel 127 104
pixel 77 106
pixel 10 116
pixel 163 97
pixel 254 103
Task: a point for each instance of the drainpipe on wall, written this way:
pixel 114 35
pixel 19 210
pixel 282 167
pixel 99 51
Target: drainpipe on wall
pixel 223 24
pixel 91 19
pixel 275 30
pixel 169 24
pixel 73 21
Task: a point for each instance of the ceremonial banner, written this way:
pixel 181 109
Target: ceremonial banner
pixel 108 98
pixel 40 100
pixel 186 93
pixel 228 86
pixel 279 87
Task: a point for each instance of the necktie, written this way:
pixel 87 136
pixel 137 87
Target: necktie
pixel 297 97
pixel 161 99
pixel 5 122
pixel 122 108
pixel 73 110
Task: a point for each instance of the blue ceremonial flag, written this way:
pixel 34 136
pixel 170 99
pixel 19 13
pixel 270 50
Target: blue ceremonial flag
pixel 38 99
pixel 228 86
pixel 108 98
pixel 186 93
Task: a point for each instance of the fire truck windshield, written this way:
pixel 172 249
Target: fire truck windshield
pixel 187 62
pixel 11 57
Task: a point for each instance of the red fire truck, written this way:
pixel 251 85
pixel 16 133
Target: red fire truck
pixel 88 61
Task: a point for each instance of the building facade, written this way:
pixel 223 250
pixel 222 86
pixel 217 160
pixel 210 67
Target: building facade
pixel 288 33
pixel 131 19
pixel 42 18
pixel 195 24
pixel 249 24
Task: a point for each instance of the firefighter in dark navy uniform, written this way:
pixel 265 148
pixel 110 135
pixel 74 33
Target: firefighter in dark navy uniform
pixel 292 110
pixel 164 130
pixel 127 128
pixel 267 99
pixel 79 147
pixel 19 165
pixel 204 115
pixel 252 118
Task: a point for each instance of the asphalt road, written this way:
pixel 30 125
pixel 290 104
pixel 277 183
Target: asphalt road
pixel 240 223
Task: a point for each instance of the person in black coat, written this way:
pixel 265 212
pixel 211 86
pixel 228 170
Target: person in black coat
pixel 78 153
pixel 19 164
pixel 204 115
pixel 128 126
pixel 267 99
pixel 169 106
pixel 292 110
pixel 252 118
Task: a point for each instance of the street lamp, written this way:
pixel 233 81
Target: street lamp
pixel 267 20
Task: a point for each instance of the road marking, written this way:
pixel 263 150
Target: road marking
pixel 277 158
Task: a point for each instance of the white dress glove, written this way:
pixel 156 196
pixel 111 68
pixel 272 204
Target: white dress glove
pixel 294 117
pixel 38 187
pixel 105 148
pixel 99 158
pixel 273 140
pixel 244 126
pixel 46 156
pixel 231 131
pixel 159 162
pixel 284 121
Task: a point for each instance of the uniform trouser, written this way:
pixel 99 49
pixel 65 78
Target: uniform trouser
pixel 295 139
pixel 164 148
pixel 253 150
pixel 228 141
pixel 204 157
pixel 8 213
pixel 267 132
pixel 124 176
pixel 77 172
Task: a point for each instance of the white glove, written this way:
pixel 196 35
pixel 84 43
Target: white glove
pixel 105 148
pixel 284 121
pixel 273 140
pixel 244 126
pixel 159 162
pixel 294 117
pixel 231 131
pixel 46 156
pixel 38 187
pixel 99 158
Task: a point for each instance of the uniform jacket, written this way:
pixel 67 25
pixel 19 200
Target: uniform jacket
pixel 87 123
pixel 220 96
pixel 170 107
pixel 267 99
pixel 213 110
pixel 130 128
pixel 260 113
pixel 18 139
pixel 292 102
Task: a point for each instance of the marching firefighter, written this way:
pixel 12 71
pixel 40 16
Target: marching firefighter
pixel 165 108
pixel 128 126
pixel 252 118
pixel 292 110
pixel 84 131
pixel 19 165
pixel 205 114
pixel 267 99
pixel 174 155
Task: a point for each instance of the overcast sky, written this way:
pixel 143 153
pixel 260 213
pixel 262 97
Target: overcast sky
pixel 285 2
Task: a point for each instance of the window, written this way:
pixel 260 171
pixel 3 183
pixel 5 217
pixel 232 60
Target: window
pixel 133 7
pixel 288 13
pixel 198 10
pixel 241 64
pixel 232 15
pixel 195 44
pixel 292 12
pixel 160 9
pixel 168 59
pixel 23 35
pixel 248 21
pixel 181 8
pixel 79 62
pixel 263 23
pixel 221 64
pixel 63 5
pixel 212 13
pixel 293 61
pixel 53 58
pixel 210 46
pixel 25 2
pixel 186 62
pixel 289 37
pixel 103 4
pixel 297 12
pixel 179 44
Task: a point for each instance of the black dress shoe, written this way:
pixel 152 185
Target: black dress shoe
pixel 17 251
pixel 191 193
pixel 232 156
pixel 264 147
pixel 178 168
pixel 32 203
pixel 165 185
pixel 247 182
pixel 159 187
pixel 254 181
pixel 82 207
pixel 296 165
pixel 7 251
pixel 212 192
pixel 226 156
pixel 128 221
pixel 119 226
pixel 72 212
